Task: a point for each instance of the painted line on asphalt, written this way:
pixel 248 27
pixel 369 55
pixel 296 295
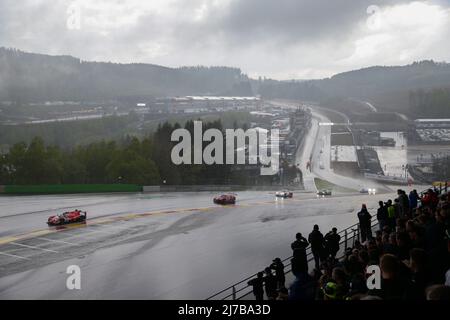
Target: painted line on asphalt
pixel 13 256
pixel 127 217
pixel 58 241
pixel 32 247
pixel 116 227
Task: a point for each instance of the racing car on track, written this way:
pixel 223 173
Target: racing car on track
pixel 284 194
pixel 370 191
pixel 67 217
pixel 225 199
pixel 323 193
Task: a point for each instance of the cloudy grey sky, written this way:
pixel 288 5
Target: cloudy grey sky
pixel 281 39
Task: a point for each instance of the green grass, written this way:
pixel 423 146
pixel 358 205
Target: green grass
pixel 323 184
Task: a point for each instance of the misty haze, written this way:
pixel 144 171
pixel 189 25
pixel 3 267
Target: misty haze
pixel 107 109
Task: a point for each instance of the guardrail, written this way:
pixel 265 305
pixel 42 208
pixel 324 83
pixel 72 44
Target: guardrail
pixel 241 289
pixel 349 235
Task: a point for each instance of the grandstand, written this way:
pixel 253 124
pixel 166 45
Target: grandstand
pixel 433 130
pixel 415 245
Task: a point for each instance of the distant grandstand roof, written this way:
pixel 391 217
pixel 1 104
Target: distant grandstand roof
pixel 206 98
pixel 432 120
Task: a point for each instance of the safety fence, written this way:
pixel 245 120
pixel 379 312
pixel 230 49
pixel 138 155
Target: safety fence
pixel 241 290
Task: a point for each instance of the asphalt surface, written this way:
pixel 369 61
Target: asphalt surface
pixel 167 246
pixel 155 246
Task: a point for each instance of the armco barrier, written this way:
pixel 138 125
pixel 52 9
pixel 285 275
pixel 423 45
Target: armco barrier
pixel 106 188
pixel 242 291
pixel 70 188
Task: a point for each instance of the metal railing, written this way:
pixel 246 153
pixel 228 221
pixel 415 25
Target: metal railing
pixel 241 289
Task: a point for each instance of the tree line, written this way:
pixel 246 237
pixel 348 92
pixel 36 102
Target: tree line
pixel 430 104
pixel 145 161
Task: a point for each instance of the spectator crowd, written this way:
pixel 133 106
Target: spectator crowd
pixel 410 245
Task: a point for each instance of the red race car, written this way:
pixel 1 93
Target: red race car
pixel 225 199
pixel 67 217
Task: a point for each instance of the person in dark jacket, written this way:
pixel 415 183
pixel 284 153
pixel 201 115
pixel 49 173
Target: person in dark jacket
pixel 393 283
pixel 278 267
pixel 382 215
pixel 270 284
pixel 413 199
pixel 316 240
pixel 365 223
pixel 403 202
pixel 418 275
pixel 258 286
pixel 303 288
pixel 299 260
pixel 332 240
pixel 390 214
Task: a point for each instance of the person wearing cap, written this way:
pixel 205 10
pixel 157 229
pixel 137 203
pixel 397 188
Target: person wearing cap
pixel 278 266
pixel 270 284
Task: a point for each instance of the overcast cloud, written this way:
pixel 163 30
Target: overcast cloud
pixel 282 39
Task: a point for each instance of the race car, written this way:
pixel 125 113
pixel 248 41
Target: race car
pixel 67 217
pixel 284 194
pixel 225 199
pixel 370 191
pixel 323 193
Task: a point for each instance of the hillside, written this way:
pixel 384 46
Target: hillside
pixel 26 77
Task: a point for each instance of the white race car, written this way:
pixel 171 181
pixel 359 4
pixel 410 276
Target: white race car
pixel 284 194
pixel 323 193
pixel 370 191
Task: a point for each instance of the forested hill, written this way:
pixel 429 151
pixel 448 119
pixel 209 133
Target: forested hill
pixel 26 77
pixel 377 80
pixel 367 83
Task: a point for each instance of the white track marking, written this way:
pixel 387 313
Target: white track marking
pixel 102 231
pixel 59 241
pixel 115 227
pixel 13 255
pixel 32 247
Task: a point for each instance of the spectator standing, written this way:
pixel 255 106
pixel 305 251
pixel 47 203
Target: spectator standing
pixel 396 206
pixel 391 214
pixel 413 199
pixel 258 286
pixel 332 240
pixel 382 215
pixel 316 240
pixel 365 223
pixel 299 260
pixel 278 267
pixel 403 202
pixel 270 284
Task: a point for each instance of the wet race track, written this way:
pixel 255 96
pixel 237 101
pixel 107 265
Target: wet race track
pixel 155 246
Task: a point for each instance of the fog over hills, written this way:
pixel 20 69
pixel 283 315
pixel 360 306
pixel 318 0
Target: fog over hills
pixel 37 77
pixel 28 77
